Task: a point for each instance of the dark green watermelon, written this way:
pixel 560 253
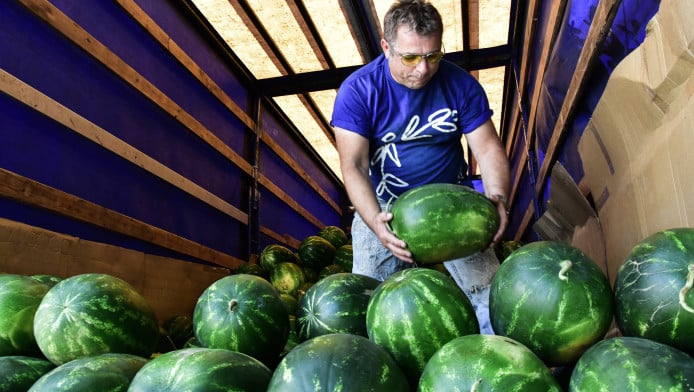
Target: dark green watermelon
pixel 330 270
pixel 653 289
pixel 316 252
pixel 110 372
pixel 274 254
pixel 20 296
pixel 552 298
pixel 344 257
pixel 202 369
pixel 335 304
pixel 252 269
pixel 92 314
pixel 335 235
pixel 242 313
pixel 632 364
pixel 414 312
pixel 338 362
pixel 486 363
pixel 287 277
pixel 441 222
pixel 18 372
pixel 179 329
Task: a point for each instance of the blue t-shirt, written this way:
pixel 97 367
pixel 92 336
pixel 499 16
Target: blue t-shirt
pixel 414 135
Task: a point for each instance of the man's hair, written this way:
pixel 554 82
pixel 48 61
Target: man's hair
pixel 419 15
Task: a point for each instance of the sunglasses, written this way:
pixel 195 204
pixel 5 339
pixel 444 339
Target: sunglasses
pixel 412 60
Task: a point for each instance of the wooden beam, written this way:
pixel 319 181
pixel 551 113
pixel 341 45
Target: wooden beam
pixel 63 24
pixel 599 28
pixel 154 30
pixel 24 190
pixel 52 109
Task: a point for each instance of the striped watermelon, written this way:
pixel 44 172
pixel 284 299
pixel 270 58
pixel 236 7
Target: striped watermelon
pixel 242 313
pixel 632 364
pixel 486 363
pixel 202 369
pixel 344 257
pixel 316 252
pixel 338 362
pixel 335 235
pixel 414 312
pixel 20 296
pixel 552 298
pixel 653 289
pixel 18 372
pixel 92 314
pixel 274 254
pixel 110 372
pixel 335 304
pixel 441 222
pixel 287 277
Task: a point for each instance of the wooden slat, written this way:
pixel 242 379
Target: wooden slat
pixel 554 24
pixel 277 149
pixel 149 25
pixel 25 190
pixel 52 109
pixel 600 26
pixel 54 17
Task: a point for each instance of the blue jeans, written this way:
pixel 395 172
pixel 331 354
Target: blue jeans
pixel 473 274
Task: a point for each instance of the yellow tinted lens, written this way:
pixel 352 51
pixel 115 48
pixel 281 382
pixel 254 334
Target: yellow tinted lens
pixel 411 59
pixel 435 57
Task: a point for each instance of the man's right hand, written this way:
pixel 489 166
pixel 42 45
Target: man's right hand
pixel 397 246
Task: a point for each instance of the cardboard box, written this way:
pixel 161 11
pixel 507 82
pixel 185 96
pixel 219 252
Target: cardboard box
pixel 636 150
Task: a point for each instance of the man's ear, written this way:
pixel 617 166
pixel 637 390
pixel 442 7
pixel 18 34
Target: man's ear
pixel 385 46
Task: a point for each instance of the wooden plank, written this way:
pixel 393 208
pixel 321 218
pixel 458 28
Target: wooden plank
pixel 285 239
pixel 80 37
pixel 154 30
pixel 600 26
pixel 527 218
pixel 45 105
pixel 298 169
pixel 149 25
pixel 24 190
pixel 54 17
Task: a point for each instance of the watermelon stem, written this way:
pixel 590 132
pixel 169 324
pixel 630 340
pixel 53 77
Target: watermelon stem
pixel 232 304
pixel 686 288
pixel 476 386
pixel 565 267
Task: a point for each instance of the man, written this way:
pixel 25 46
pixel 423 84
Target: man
pixel 398 122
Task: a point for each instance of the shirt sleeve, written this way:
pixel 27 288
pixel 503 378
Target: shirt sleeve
pixel 350 112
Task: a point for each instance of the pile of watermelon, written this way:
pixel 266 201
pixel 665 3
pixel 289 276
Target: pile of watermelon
pixel 301 320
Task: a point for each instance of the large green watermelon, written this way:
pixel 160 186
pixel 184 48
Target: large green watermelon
pixel 486 363
pixel 202 370
pixel 335 235
pixel 242 313
pixel 552 298
pixel 338 363
pixel 18 372
pixel 653 289
pixel 335 304
pixel 92 314
pixel 632 364
pixel 316 252
pixel 441 222
pixel 110 372
pixel 20 296
pixel 414 312
pixel 274 254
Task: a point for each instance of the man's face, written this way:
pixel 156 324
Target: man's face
pixel 408 42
